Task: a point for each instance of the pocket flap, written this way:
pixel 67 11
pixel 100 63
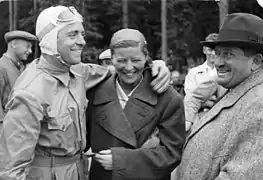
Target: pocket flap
pixel 60 123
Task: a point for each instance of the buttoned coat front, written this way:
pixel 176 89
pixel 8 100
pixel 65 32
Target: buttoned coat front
pixel 227 142
pixel 124 131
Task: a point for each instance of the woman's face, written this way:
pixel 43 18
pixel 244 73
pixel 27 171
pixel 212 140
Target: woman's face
pixel 129 64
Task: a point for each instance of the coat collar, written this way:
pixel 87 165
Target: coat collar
pixel 123 123
pixel 16 63
pixel 55 68
pixel 229 99
pixel 107 91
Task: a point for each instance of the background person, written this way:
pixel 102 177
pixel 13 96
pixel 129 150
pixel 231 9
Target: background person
pixel 199 100
pixel 105 60
pixel 19 47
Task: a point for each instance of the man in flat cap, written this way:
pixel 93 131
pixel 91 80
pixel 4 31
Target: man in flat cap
pixel 227 142
pixel 44 130
pixel 19 44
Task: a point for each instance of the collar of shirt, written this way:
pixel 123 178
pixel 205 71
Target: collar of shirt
pixel 17 64
pixel 207 68
pixel 211 72
pixel 57 70
pixel 122 96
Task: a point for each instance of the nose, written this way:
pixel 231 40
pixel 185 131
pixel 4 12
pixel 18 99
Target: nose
pixel 219 61
pixel 129 65
pixel 213 52
pixel 81 41
pixel 30 50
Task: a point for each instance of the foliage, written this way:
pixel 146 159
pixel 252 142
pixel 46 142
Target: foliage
pixel 188 22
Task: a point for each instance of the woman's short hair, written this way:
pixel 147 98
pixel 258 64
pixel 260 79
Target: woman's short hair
pixel 130 43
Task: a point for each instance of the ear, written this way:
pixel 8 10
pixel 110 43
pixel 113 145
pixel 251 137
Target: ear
pixel 257 62
pixel 13 43
pixel 204 50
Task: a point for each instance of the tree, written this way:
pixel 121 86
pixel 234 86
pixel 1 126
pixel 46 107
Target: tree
pixel 189 22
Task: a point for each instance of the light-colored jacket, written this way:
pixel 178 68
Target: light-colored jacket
pixel 227 143
pixel 46 118
pixel 200 86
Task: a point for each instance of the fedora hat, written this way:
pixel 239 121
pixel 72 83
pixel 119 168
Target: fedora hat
pixel 239 30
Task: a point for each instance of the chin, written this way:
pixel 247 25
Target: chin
pixel 131 82
pixel 74 61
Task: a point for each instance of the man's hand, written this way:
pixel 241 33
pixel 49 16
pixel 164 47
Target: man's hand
pixel 104 157
pixel 161 82
pixel 209 103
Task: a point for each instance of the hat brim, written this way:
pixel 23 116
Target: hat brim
pixel 30 39
pixel 235 43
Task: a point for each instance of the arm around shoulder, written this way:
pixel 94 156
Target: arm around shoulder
pixel 94 74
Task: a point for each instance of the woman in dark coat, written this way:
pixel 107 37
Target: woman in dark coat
pixel 135 132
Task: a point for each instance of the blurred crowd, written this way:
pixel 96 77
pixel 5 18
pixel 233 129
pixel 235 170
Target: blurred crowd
pixel 125 115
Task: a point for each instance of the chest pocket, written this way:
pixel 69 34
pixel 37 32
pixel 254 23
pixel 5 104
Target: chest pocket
pixel 60 123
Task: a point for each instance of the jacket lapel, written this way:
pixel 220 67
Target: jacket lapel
pixel 229 99
pixel 110 113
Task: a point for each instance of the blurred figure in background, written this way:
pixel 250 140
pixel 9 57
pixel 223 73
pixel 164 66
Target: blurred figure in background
pixel 197 102
pixel 19 47
pixel 105 60
pixel 177 82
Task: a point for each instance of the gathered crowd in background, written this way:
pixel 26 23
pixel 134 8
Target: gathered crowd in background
pixel 109 107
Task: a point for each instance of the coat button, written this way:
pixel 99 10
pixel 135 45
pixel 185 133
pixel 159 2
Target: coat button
pixel 63 127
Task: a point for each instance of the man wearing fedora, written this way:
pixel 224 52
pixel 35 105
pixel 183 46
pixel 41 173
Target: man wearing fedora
pixel 19 44
pixel 227 142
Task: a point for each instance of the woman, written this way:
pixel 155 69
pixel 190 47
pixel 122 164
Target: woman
pixel 135 133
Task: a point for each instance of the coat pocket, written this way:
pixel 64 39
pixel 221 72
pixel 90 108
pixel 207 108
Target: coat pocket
pixel 60 123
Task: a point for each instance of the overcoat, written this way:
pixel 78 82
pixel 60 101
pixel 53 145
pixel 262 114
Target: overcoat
pixel 124 131
pixel 227 142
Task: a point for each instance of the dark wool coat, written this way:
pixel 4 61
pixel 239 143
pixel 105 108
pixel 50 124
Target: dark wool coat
pixel 125 131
